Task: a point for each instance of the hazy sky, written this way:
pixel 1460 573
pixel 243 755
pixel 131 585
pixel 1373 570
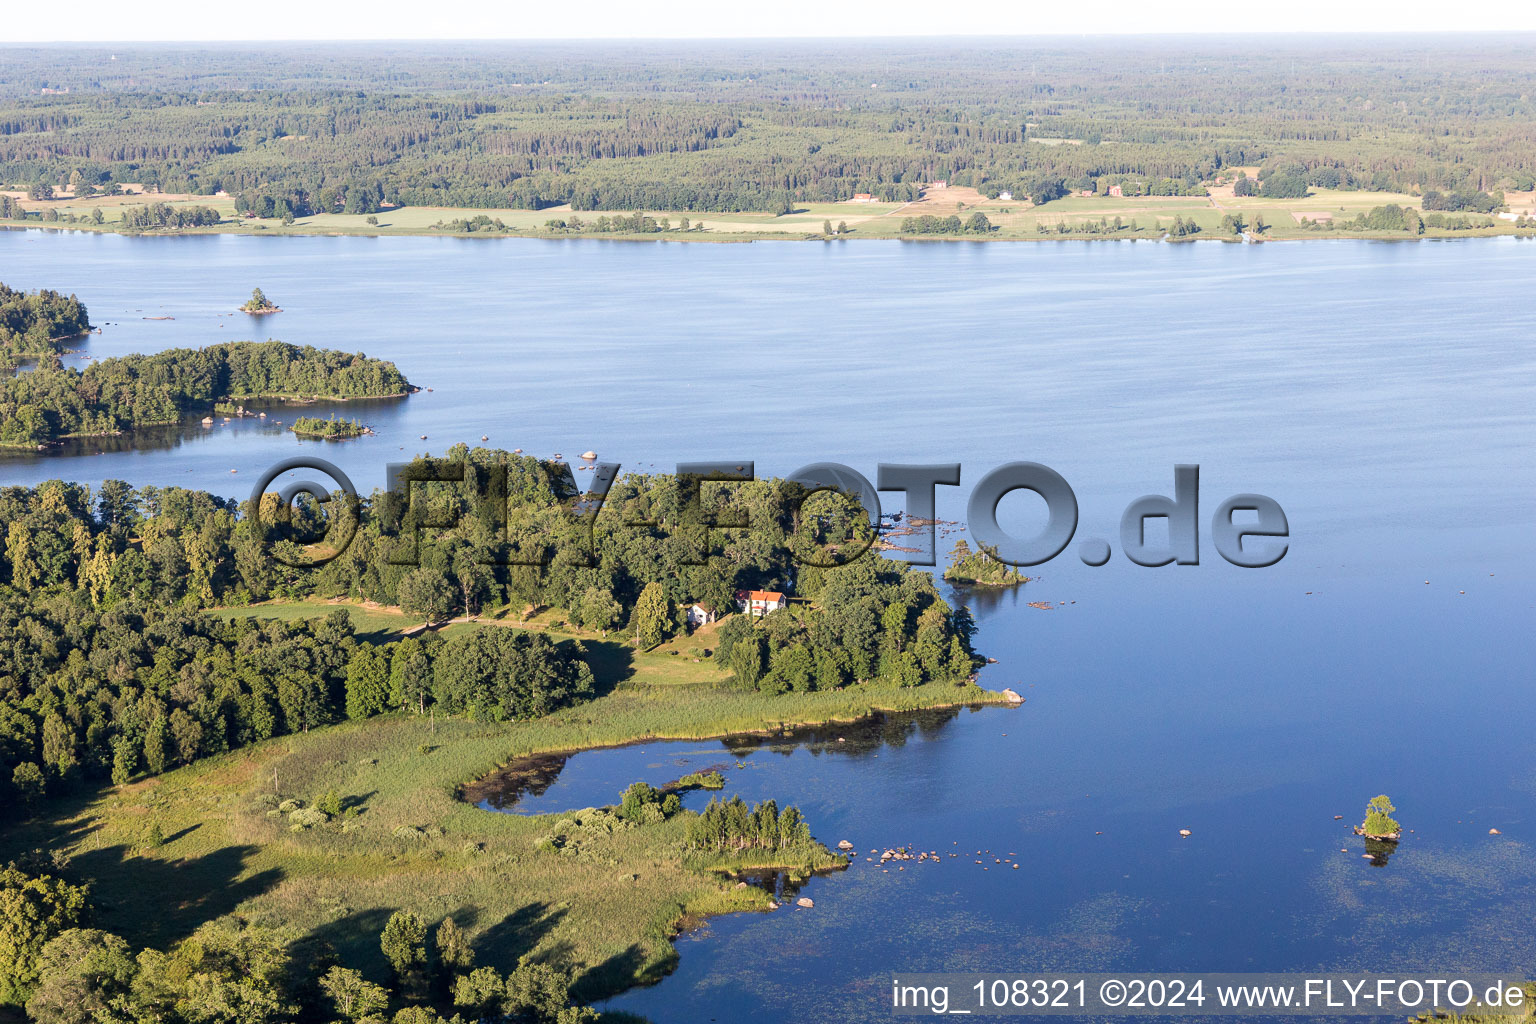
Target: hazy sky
pixel 108 20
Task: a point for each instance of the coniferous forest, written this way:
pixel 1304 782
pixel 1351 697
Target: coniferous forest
pixel 741 126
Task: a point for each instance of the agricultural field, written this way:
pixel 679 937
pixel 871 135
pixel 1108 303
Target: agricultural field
pixel 1013 219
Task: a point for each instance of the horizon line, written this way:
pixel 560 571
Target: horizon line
pixel 1197 33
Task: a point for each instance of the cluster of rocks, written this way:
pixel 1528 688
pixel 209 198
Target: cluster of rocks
pixel 903 853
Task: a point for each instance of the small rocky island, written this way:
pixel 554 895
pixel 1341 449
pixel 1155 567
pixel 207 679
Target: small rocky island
pixel 259 304
pixel 331 429
pixel 1379 825
pixel 979 569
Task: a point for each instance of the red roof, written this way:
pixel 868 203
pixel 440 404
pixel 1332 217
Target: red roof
pixel 759 595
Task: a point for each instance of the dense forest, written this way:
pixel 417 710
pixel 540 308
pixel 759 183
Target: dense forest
pixel 33 323
pixel 737 126
pixel 112 395
pixel 113 668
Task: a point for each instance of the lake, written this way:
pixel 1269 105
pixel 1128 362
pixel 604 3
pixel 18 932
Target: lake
pixel 1381 393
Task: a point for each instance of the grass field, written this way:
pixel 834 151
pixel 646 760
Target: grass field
pixel 1014 220
pixel 682 660
pixel 606 907
pixel 371 622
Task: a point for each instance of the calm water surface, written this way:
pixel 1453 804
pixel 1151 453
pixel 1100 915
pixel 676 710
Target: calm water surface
pixel 1383 394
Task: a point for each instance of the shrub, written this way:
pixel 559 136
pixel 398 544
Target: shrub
pixel 307 818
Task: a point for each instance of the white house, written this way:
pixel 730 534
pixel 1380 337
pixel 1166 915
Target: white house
pixel 698 615
pixel 1005 196
pixel 760 602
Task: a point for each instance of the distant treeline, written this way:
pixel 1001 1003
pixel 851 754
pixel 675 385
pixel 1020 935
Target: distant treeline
pixel 31 323
pixel 112 395
pixel 760 126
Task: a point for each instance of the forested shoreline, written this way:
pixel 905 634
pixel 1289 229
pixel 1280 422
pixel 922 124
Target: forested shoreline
pixel 127 392
pixel 123 660
pixel 740 127
pixel 121 663
pixel 114 667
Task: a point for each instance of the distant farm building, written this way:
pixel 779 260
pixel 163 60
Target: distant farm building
pixel 760 602
pixel 1117 191
pixel 938 184
pixel 863 197
pixel 698 615
pixel 1005 196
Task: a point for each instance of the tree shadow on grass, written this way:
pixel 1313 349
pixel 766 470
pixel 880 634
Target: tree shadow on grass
pixel 612 662
pixel 355 941
pixel 156 902
pixel 358 803
pixel 519 933
pixel 619 972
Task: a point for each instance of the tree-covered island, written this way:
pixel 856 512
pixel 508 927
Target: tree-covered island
pixel 258 304
pixel 113 395
pixel 1379 825
pixel 977 568
pixel 328 429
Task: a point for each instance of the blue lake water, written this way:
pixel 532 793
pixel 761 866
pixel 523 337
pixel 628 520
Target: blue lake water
pixel 1383 394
